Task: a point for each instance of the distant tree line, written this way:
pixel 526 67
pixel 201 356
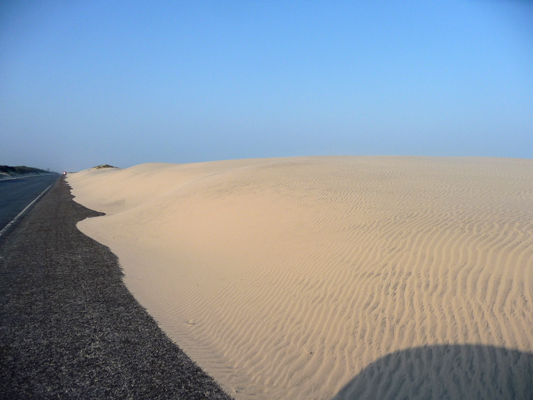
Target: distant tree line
pixel 21 170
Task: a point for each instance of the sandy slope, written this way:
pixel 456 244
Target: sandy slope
pixel 285 278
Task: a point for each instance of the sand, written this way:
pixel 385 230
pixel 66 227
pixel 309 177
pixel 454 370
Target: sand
pixel 293 278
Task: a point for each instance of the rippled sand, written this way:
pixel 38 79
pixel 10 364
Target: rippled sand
pixel 290 278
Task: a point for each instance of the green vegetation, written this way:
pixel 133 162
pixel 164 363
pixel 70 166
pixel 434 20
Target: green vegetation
pixel 103 166
pixel 6 171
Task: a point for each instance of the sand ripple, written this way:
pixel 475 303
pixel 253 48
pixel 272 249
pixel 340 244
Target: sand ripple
pixel 286 278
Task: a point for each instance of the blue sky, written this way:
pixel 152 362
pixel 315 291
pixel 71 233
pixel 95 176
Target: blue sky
pixel 129 82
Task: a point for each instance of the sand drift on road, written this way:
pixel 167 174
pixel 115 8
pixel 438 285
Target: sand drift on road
pixel 290 278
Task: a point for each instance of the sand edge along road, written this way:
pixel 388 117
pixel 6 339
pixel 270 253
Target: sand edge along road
pixel 69 328
pixel 289 278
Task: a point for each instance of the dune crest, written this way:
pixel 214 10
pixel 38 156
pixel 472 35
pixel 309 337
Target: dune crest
pixel 285 278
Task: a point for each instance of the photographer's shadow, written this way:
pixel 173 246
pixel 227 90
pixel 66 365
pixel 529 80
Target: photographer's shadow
pixel 446 372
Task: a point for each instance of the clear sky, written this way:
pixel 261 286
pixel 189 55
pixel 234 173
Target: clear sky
pixel 122 82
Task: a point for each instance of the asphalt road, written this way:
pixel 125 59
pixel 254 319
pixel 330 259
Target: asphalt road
pixel 16 194
pixel 69 327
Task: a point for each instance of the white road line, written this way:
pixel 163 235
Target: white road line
pixel 22 212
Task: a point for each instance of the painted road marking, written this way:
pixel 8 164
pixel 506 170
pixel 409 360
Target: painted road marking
pixel 3 231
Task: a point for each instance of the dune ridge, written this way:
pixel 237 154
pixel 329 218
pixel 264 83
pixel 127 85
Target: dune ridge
pixel 285 278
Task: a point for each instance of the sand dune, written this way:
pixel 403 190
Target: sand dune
pixel 286 278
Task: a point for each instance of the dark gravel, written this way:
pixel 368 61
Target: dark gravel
pixel 69 328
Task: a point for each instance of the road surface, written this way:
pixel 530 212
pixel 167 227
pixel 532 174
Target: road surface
pixel 16 194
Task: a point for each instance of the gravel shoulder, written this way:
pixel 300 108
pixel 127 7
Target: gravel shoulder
pixel 69 328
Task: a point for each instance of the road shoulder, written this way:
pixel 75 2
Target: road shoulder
pixel 69 328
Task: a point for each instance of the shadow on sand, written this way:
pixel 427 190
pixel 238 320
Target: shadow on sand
pixel 445 372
